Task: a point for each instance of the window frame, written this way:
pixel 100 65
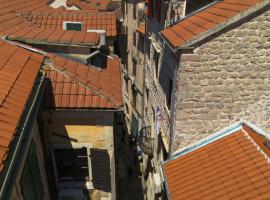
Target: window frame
pixel 70 22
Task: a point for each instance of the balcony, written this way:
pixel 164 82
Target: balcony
pixel 145 141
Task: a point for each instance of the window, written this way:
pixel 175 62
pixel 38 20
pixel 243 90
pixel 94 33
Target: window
pixel 134 126
pixel 141 43
pixel 126 84
pixel 72 26
pixel 156 59
pixel 134 97
pixel 134 39
pixel 31 183
pixel 134 11
pixel 134 69
pixel 72 164
pixel 169 93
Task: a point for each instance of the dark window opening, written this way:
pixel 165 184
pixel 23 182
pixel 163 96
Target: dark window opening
pixel 134 69
pixel 134 126
pixel 141 43
pixel 169 93
pixel 134 39
pixel 134 97
pixel 192 6
pixel 134 11
pixel 72 164
pixel 156 59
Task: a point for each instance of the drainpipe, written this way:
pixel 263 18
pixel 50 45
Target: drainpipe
pixel 13 166
pixel 92 54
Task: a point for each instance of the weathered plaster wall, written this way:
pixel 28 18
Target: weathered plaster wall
pixel 75 129
pixel 226 79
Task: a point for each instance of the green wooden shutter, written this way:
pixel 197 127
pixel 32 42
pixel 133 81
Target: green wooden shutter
pixel 31 183
pixel 26 183
pixel 35 171
pixel 134 126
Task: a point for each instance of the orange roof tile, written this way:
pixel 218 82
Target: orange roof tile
pixel 141 29
pixel 34 35
pixel 192 26
pixel 34 20
pixel 90 20
pixel 18 71
pixel 74 85
pixel 233 164
pixel 102 5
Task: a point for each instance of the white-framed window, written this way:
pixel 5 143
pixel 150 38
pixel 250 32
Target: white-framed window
pixel 72 26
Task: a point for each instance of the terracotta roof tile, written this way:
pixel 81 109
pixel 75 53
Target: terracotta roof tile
pixel 80 86
pixel 34 21
pixel 96 21
pixel 104 5
pixel 205 20
pixel 231 167
pixel 17 75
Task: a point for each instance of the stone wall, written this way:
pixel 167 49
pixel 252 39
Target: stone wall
pixel 225 79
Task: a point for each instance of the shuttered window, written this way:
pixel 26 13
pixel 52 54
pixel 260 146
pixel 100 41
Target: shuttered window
pixel 72 164
pixel 31 183
pixel 100 163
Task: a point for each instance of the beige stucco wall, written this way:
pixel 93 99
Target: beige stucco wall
pixel 91 129
pixel 35 136
pixel 225 79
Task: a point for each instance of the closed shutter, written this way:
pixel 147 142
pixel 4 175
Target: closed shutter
pixel 134 126
pixel 35 171
pixel 26 183
pixel 101 175
pixel 31 183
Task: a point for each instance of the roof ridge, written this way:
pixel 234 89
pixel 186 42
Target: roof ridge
pixel 110 99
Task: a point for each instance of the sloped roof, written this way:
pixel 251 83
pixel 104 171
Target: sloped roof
pixel 18 71
pixel 34 21
pixel 232 164
pixel 202 22
pixel 90 20
pixel 102 5
pixel 74 85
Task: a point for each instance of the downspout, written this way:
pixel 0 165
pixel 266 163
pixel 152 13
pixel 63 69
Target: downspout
pixel 92 54
pixel 5 188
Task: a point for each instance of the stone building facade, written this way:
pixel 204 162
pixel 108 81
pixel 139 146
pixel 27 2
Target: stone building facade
pixel 154 66
pixel 223 80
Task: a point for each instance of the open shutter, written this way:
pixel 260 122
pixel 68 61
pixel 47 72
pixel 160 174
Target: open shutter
pixel 101 175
